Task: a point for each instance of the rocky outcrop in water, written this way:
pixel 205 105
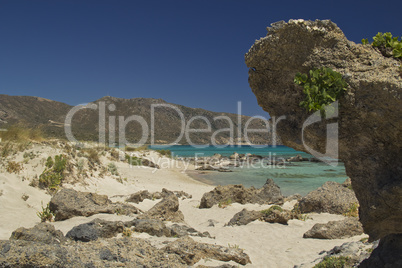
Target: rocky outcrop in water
pixel 68 203
pixel 370 123
pixel 270 193
pixel 332 197
pixel 335 229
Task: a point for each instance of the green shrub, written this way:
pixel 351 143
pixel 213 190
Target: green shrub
pixel 53 175
pixel 385 40
pixel 225 203
pixel 332 262
pixel 46 214
pixel 167 153
pixel 321 87
pixel 353 210
pixel 272 208
pixel 112 169
pixel 133 160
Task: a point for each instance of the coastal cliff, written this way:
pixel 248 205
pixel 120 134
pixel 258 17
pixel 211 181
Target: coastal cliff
pixel 369 118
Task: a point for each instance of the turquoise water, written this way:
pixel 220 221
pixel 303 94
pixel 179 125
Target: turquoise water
pixel 292 178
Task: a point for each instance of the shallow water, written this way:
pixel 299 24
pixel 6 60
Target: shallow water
pixel 292 178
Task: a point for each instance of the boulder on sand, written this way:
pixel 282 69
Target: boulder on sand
pixel 335 229
pixel 332 197
pixel 270 193
pixel 68 203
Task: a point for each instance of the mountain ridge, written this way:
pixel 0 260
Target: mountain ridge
pixel 50 116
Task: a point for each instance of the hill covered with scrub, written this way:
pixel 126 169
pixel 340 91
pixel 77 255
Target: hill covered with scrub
pixel 50 116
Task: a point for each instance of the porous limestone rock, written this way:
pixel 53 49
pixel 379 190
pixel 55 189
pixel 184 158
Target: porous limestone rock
pixel 335 229
pixel 270 193
pixel 332 197
pixel 369 119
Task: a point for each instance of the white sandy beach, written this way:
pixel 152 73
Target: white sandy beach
pixel 267 244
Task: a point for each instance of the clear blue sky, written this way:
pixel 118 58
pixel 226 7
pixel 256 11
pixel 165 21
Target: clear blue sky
pixel 185 52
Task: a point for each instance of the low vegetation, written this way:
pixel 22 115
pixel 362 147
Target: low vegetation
pixel 53 175
pixel 18 133
pixel 46 214
pixel 167 153
pixel 14 167
pixel 271 209
pixel 353 210
pixel 133 160
pixel 133 149
pixel 320 87
pixel 387 44
pixel 225 203
pixel 332 262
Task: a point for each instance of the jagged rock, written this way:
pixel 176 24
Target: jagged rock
pixel 293 197
pixel 332 197
pixel 165 210
pixel 335 229
pixel 268 194
pixel 191 252
pixel 220 266
pixel 142 195
pixel 139 197
pixel 369 121
pixel 183 230
pixel 387 254
pixel 42 232
pixel 244 217
pixel 123 252
pixel 279 215
pixel 93 230
pixel 355 252
pixel 68 203
pixel 234 156
pixel 151 227
pixel 297 158
pixel 148 163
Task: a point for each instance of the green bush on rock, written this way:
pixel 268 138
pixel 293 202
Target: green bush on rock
pixel 321 87
pixel 385 40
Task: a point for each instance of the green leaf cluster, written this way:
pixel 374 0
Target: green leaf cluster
pixel 53 175
pixel 321 87
pixel 384 40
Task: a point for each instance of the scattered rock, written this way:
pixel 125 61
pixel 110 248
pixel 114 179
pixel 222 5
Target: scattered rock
pixel 93 230
pixel 183 230
pixel 276 214
pixel 165 210
pixel 244 217
pixel 42 232
pixel 150 226
pixel 123 252
pixel 68 203
pixel 293 197
pixel 191 252
pixel 332 197
pixel 297 158
pixel 234 156
pixel 142 195
pixel 335 229
pixel 387 254
pixel 268 194
pixel 139 196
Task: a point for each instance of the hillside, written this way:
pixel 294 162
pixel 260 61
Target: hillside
pixel 50 117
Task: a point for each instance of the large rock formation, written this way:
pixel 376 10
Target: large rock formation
pixel 68 203
pixel 369 117
pixel 335 229
pixel 270 193
pixel 332 197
